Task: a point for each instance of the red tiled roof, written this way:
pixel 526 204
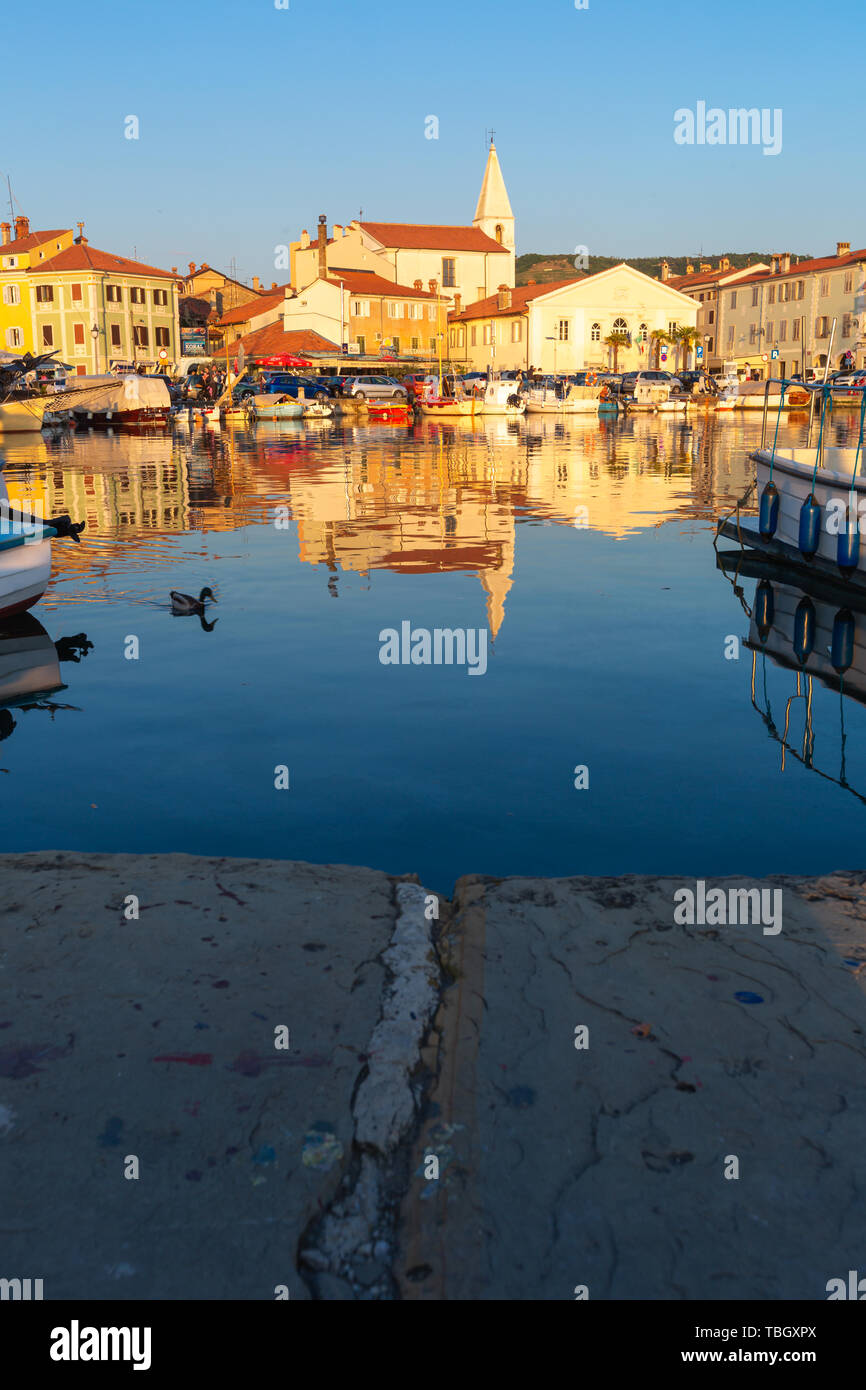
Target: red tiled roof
pixel 521 296
pixel 424 237
pixel 253 307
pixel 806 268
pixel 85 257
pixel 26 243
pixel 366 282
pixel 273 339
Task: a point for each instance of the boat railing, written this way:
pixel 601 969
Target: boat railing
pixel 816 389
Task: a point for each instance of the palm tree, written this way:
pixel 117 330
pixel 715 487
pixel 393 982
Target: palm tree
pixel 657 338
pixel 616 341
pixel 685 339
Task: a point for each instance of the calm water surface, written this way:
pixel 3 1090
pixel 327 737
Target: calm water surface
pixel 607 648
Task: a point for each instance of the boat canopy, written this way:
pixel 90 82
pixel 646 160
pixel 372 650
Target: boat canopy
pixel 114 393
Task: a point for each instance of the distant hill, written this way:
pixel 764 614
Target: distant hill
pixel 542 268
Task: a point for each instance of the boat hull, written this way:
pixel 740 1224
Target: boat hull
pixel 792 476
pixel 22 417
pixel 25 571
pixel 447 407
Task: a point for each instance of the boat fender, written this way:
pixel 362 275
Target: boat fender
pixel 842 641
pixel 765 609
pixel 848 544
pixel 805 622
pixel 769 514
pixel 810 527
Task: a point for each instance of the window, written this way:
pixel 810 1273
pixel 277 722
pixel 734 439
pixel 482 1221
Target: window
pixel 14 338
pixel 416 311
pixel 796 331
pixel 770 330
pixel 498 233
pixel 516 331
pixel 11 294
pixel 822 327
pixel 730 335
pixel 78 334
pixel 140 335
pixel 416 343
pixel 431 312
pixel 754 296
pixel 136 295
pixel 753 333
pixel 783 330
pixel 562 330
pixel 488 332
pixel 360 308
pixel 771 295
pixel 801 288
pixel 449 276
pixel 711 316
pixel 395 343
pixel 733 299
pixel 113 294
pixel 473 339
pixel 394 310
pixel 701 298
pixel 162 337
pixel 620 326
pixel 47 335
pixel 11 262
pixel 710 342
pixel 849 281
pixel 160 297
pixel 76 294
pixel 362 346
pixel 825 285
pixel 846 325
pixel 44 294
pixel 432 344
pixel 595 333
pixel 115 335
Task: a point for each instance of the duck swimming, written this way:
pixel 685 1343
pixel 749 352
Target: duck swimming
pixel 183 604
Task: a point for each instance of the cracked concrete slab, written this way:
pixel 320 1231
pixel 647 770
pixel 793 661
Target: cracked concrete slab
pixel 154 1039
pixel 610 1166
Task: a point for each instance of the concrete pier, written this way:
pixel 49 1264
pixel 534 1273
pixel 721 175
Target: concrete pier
pixel 227 1079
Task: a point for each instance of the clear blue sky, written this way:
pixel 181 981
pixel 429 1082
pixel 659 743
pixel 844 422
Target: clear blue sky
pixel 253 120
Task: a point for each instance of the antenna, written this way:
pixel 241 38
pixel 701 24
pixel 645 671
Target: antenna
pixel 9 187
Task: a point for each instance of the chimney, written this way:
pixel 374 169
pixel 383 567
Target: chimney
pixel 305 240
pixel 338 229
pixel 256 283
pixel 532 282
pixel 504 297
pixel 204 266
pixel 431 285
pixel 5 233
pixel 273 284
pixel 458 298
pixel 22 227
pixel 785 263
pixel 192 267
pixel 843 248
pixel 666 271
pixel 690 270
pixel 418 284
pixel 323 247
pixel 174 270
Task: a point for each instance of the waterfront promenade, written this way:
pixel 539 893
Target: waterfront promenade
pixel 239 1091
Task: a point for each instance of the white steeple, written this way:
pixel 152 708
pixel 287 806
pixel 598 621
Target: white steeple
pixel 493 214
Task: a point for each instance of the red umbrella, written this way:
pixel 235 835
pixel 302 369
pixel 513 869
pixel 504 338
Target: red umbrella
pixel 284 359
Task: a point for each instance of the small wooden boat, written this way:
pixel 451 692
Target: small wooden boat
pixel 576 400
pixel 274 406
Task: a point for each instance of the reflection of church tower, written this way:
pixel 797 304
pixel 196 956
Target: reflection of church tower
pixel 496 584
pixel 493 214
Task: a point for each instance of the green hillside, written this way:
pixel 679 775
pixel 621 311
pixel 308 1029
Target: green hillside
pixel 537 266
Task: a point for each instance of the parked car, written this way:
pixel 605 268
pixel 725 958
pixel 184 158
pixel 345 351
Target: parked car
pixel 698 383
pixel 654 377
pixel 414 384
pixel 374 388
pixel 287 384
pixel 333 383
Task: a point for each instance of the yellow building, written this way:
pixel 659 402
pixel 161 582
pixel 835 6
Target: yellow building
pixel 19 255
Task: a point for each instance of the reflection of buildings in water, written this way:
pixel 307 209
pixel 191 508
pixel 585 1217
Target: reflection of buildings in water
pixel 815 636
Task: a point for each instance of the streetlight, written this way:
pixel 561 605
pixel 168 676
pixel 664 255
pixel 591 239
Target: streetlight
pixel 94 333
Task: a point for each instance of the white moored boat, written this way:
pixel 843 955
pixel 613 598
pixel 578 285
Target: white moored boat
pixel 500 398
pixel 25 554
pixel 577 400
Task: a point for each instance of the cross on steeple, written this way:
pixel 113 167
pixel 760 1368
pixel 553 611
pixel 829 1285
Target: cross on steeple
pixel 491 132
